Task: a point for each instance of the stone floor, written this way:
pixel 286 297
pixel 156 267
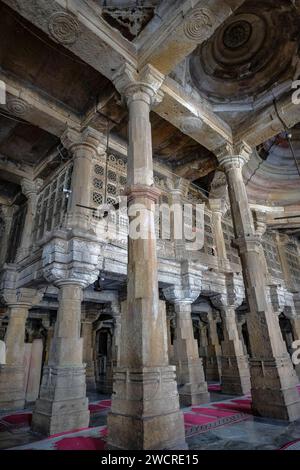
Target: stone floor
pixel 251 434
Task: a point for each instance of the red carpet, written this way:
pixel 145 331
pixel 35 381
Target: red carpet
pixel 214 388
pixel 243 401
pixel 80 443
pixel 15 421
pixel 235 407
pixel 213 412
pixel 193 419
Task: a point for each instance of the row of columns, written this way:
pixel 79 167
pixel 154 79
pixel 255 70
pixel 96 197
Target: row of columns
pixel 145 411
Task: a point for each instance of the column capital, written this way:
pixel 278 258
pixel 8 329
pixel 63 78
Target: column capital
pixel 88 137
pixel 233 155
pixel 22 297
pixel 31 187
pixel 260 222
pixel 178 186
pixel 233 297
pixel 190 285
pixel 136 85
pixel 218 206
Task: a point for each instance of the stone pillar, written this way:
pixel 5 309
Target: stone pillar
pixel 7 214
pixel 282 240
pixel 295 321
pixel 273 378
pixel 240 324
pixel 214 353
pixel 234 362
pixel 178 189
pixel 12 391
pixel 84 147
pixel 189 366
pixel 88 350
pixel 35 369
pixel 116 311
pixel 30 189
pixel 62 404
pixel 218 208
pixel 145 410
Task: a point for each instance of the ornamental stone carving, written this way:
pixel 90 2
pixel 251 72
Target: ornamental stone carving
pixel 234 295
pixel 17 106
pixel 73 259
pixel 131 83
pixel 63 28
pixel 190 125
pixel 191 284
pixel 233 155
pixel 198 24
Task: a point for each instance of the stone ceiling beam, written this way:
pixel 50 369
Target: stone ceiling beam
pixel 181 30
pixel 192 117
pixel 17 170
pixel 79 28
pixel 265 125
pixel 32 106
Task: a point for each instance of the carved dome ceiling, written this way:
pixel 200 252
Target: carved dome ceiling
pixel 274 177
pixel 253 50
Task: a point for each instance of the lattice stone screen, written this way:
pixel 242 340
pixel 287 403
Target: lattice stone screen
pixel 52 203
pixel 293 262
pixel 272 255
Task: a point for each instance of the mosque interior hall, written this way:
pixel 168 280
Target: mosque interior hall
pixel 149 225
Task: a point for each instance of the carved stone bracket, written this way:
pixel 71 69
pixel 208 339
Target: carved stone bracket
pixel 71 258
pixel 234 295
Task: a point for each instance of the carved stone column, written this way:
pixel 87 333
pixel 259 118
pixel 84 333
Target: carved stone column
pixel 189 366
pixel 145 410
pixel 18 301
pixel 218 207
pixel 214 353
pixel 177 191
pixel 234 362
pixel 87 320
pixel 282 240
pixel 273 378
pixel 7 213
pixel 30 189
pixel 84 146
pixel 71 264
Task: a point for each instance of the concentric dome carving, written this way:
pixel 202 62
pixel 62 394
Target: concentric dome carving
pixel 250 52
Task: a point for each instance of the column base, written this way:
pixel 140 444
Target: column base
pixel 235 375
pixel 145 410
pixel 274 389
pixel 192 386
pixel 63 405
pixel 12 393
pixel 212 369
